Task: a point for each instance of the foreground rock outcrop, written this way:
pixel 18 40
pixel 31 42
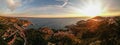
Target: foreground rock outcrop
pixel 97 31
pixel 13 28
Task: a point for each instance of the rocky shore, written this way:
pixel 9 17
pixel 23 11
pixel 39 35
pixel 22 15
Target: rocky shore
pixel 94 31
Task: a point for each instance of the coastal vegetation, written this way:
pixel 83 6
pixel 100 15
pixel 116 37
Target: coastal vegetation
pixel 94 31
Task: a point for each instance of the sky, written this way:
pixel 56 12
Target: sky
pixel 53 8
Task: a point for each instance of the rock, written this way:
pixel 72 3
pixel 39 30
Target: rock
pixel 15 27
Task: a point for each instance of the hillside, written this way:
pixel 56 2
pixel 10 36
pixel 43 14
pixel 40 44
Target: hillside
pixel 94 31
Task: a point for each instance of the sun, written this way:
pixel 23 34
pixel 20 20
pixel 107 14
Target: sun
pixel 92 8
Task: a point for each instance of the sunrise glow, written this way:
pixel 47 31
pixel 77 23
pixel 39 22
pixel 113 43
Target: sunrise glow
pixel 92 8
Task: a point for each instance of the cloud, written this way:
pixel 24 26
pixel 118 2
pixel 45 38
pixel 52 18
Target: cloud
pixel 27 1
pixel 50 9
pixel 43 8
pixel 46 9
pixel 65 2
pixel 13 4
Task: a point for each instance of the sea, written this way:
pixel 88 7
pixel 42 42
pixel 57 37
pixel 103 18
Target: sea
pixel 53 23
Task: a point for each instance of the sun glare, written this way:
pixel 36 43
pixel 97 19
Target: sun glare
pixel 92 8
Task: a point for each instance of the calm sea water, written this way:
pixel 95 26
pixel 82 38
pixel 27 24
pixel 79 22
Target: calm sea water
pixel 54 23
